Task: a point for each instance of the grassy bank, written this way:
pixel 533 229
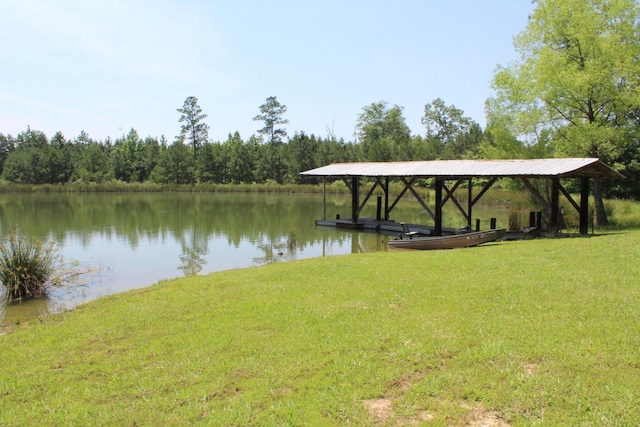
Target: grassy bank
pixel 149 187
pixel 540 332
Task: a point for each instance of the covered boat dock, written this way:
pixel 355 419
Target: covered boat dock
pixel 449 175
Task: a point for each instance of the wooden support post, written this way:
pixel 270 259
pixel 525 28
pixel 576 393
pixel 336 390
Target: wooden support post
pixel 324 197
pixel 470 201
pixel 494 223
pixel 539 220
pixel 584 206
pixel 532 219
pixel 555 205
pixel 477 224
pixel 438 213
pixel 355 199
pixel 386 199
pixel 379 208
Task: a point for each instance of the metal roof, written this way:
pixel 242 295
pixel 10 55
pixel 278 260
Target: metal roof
pixel 562 168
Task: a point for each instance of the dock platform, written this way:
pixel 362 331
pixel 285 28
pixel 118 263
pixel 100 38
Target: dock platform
pixel 379 226
pixel 393 228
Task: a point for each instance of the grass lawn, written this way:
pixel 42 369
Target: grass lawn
pixel 539 332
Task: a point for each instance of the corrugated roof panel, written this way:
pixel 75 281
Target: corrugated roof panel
pixel 567 167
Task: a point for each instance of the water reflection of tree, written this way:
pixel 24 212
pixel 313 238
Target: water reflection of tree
pixel 192 260
pixel 281 248
pixel 280 226
pixel 195 245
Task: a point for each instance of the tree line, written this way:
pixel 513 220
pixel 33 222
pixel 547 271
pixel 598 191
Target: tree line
pixel 268 156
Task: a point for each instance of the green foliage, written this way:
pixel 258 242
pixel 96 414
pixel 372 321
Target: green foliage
pixel 30 159
pixel 519 333
pixel 624 214
pixel 576 84
pixel 301 150
pixel 271 113
pixel 628 164
pixel 7 145
pixel 133 159
pixel 240 159
pixel 272 165
pixel 92 161
pixel 211 164
pixel 176 165
pixel 33 160
pixel 384 134
pixel 27 267
pixel 449 132
pixel 193 128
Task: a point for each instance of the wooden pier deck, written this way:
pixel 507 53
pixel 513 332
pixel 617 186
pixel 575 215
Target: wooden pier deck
pixel 393 228
pixel 379 226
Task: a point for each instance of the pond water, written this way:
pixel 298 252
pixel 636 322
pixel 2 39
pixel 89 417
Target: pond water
pixel 137 239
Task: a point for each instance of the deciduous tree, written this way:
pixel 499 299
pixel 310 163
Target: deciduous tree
pixel 577 79
pixel 454 135
pixel 7 145
pixel 383 133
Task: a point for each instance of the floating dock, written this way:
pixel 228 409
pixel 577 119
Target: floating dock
pixel 379 226
pixel 393 228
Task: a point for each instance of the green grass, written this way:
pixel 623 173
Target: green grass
pixel 540 332
pixel 623 213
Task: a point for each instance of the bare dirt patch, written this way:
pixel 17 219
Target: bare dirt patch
pixel 379 409
pixel 479 416
pixel 531 368
pixel 382 411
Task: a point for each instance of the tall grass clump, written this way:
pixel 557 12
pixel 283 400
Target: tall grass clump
pixel 623 214
pixel 29 268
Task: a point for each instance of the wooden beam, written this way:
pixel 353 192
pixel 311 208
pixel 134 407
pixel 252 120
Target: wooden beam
pixel 451 196
pixel 569 198
pixel 418 198
pixel 449 192
pixel 484 190
pixel 404 190
pixel 366 199
pixel 535 193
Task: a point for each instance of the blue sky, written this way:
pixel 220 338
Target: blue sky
pixel 108 66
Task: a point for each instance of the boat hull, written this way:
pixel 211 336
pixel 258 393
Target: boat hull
pixel 449 242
